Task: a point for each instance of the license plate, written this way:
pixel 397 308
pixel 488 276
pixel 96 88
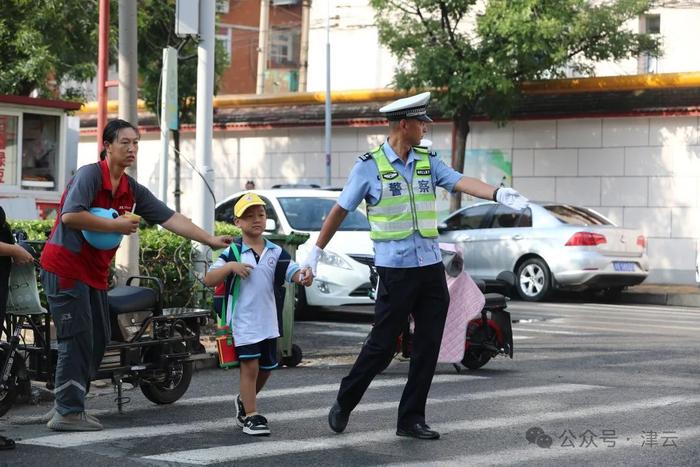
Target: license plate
pixel 623 266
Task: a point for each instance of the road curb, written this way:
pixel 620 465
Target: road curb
pixel 672 299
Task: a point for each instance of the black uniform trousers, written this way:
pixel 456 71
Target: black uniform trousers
pixel 420 291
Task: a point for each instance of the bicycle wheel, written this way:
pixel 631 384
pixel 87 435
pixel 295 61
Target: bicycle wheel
pixel 9 393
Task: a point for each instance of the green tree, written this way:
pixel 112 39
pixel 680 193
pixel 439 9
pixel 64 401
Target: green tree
pixel 477 53
pixel 156 30
pixel 46 43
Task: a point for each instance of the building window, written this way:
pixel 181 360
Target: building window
pixel 649 24
pixel 652 24
pixel 284 48
pixel 223 34
pixel 222 6
pixel 37 168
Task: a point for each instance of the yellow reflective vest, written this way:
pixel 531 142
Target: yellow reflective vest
pixel 403 208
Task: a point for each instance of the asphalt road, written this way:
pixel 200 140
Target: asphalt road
pixel 589 384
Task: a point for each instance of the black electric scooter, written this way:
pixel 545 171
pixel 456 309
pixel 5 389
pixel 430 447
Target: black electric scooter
pixel 488 336
pixel 151 347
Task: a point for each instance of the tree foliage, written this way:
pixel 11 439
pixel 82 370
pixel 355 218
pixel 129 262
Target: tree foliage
pixel 477 52
pixel 156 30
pixel 47 41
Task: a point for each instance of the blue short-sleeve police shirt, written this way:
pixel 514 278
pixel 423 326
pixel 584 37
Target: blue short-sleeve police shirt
pixel 363 184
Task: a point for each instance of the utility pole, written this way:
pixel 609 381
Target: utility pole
pixel 203 176
pixel 127 259
pixel 304 45
pixel 263 39
pixel 102 65
pixel 328 94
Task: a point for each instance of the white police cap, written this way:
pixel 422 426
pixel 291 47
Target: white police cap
pixel 408 107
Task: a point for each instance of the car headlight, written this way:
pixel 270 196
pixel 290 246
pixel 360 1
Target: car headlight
pixel 334 260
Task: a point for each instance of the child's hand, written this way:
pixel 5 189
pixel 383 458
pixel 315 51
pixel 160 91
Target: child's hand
pixel 240 269
pixel 304 277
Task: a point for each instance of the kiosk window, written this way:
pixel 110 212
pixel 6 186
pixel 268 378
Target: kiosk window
pixel 40 151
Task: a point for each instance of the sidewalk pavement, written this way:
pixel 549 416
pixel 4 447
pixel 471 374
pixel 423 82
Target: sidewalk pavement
pixel 662 294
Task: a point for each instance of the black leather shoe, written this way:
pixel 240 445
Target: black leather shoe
pixel 418 430
pixel 337 418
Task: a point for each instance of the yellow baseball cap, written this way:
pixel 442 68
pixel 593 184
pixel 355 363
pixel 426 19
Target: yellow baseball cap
pixel 247 200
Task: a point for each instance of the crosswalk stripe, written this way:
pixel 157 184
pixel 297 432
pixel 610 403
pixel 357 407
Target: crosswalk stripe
pixel 66 440
pixel 626 327
pixel 533 453
pixel 219 454
pixel 568 333
pixel 361 335
pixel 313 389
pixel 325 324
pixel 601 308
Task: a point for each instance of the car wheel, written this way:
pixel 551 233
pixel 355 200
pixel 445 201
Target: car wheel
pixel 533 280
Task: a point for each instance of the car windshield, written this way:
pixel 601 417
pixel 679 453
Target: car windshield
pixel 305 213
pixel 577 216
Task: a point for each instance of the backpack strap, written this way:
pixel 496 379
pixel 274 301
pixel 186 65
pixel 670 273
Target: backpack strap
pixel 233 284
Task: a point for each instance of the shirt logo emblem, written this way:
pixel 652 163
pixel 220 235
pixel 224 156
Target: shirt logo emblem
pixel 390 175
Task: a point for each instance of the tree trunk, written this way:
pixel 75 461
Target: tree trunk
pixel 176 143
pixel 459 146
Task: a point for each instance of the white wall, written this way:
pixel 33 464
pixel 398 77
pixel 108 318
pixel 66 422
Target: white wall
pixel 357 59
pixel 640 172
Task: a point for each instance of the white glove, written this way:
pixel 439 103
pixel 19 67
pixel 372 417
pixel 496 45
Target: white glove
pixel 511 198
pixel 311 260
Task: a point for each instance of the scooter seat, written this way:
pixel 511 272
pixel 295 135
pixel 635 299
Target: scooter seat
pixel 128 299
pixel 494 300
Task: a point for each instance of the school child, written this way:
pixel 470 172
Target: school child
pixel 254 270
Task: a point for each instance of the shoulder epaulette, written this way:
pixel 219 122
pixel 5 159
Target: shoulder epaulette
pixel 365 157
pixel 432 154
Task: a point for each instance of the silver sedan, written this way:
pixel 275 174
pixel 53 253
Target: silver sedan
pixel 551 246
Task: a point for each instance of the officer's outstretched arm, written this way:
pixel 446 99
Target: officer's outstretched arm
pixel 475 187
pixel 330 225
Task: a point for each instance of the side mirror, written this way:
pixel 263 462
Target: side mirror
pixel 442 226
pixel 270 225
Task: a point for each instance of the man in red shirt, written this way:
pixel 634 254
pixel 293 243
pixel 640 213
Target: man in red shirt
pixel 75 273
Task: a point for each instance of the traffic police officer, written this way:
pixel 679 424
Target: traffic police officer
pixel 398 181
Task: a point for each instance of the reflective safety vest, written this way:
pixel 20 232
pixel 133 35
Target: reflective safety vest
pixel 403 208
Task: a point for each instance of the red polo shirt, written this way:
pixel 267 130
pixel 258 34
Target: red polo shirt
pixel 66 253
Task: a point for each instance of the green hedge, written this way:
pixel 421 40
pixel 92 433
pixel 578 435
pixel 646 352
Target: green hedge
pixel 163 254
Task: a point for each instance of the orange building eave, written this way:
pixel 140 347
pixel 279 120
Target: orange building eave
pixel 555 86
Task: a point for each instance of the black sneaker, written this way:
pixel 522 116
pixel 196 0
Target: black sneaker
pixel 256 426
pixel 240 411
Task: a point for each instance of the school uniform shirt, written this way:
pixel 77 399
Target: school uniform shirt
pixel 253 317
pixel 66 253
pixel 364 184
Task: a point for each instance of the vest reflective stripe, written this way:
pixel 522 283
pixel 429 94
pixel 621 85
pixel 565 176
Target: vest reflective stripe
pixel 403 208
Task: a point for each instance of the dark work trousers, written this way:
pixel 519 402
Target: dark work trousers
pixel 423 292
pixel 81 316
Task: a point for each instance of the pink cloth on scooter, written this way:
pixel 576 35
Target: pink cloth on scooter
pixel 466 302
